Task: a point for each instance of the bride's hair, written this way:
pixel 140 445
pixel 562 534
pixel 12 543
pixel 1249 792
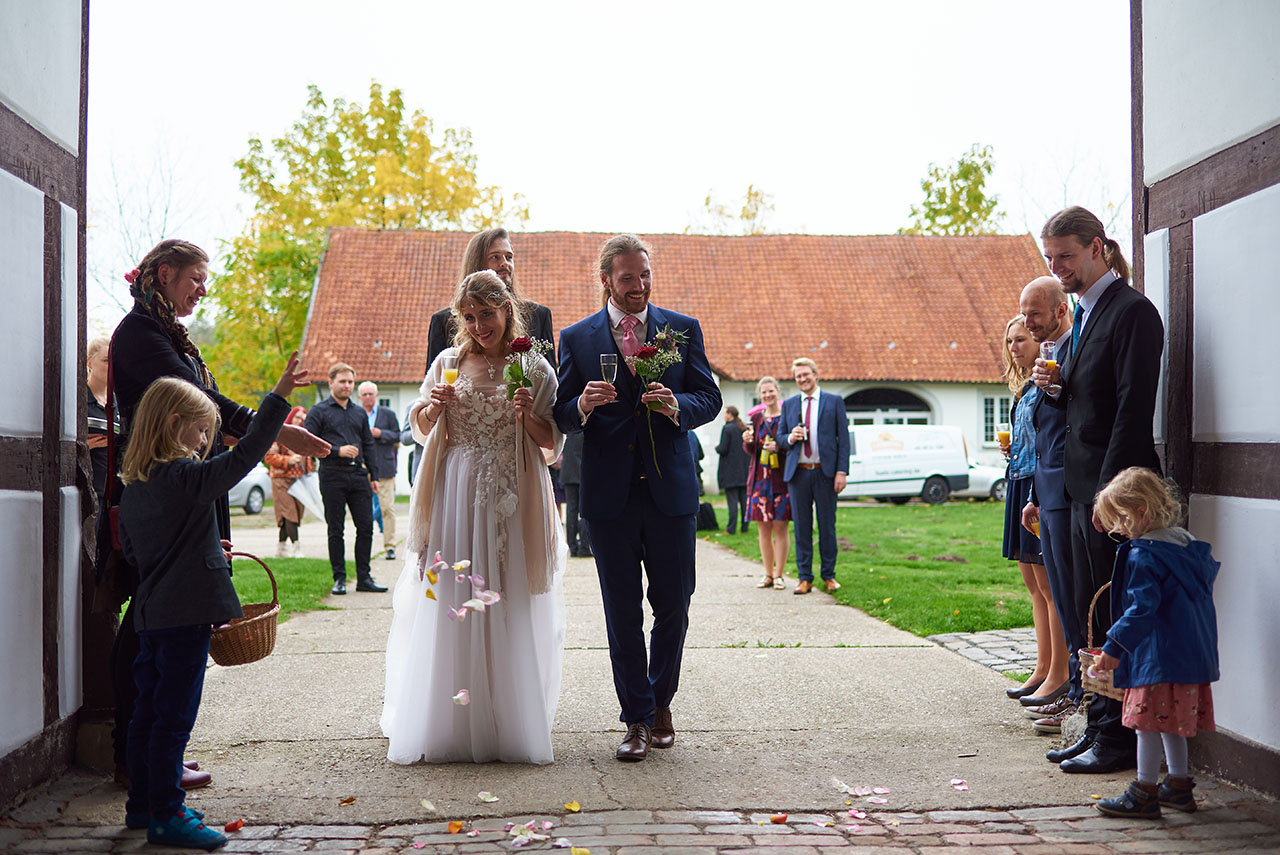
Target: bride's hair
pixel 485 288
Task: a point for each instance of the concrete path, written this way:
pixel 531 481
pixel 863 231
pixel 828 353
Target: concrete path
pixel 780 695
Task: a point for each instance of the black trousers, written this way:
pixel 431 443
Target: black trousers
pixel 1093 556
pixel 575 527
pixel 737 499
pixel 343 488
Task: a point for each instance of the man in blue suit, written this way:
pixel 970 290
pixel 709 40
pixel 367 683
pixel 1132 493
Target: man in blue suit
pixel 638 492
pixel 814 434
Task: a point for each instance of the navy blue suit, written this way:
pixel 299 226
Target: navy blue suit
pixel 635 515
pixel 813 491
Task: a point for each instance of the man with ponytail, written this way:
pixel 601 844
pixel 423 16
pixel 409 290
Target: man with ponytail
pixel 1109 393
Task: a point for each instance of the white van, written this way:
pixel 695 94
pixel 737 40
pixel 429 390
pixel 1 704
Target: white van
pixel 896 462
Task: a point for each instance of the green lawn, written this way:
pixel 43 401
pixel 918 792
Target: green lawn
pixel 927 569
pixel 302 582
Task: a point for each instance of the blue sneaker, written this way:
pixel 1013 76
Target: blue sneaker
pixel 137 820
pixel 185 830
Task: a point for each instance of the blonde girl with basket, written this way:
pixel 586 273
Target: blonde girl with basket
pixel 168 530
pixel 1164 647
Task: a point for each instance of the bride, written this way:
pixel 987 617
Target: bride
pixel 464 684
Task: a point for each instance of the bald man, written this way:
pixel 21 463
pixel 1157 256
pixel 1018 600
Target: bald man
pixel 1048 318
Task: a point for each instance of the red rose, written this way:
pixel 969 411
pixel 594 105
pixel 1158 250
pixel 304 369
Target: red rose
pixel 521 345
pixel 646 352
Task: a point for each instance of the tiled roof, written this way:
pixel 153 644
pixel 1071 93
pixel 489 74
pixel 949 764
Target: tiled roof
pixel 873 307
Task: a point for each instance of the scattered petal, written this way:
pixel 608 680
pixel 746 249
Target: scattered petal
pixel 489 597
pixel 433 576
pixel 419 846
pixel 508 826
pixel 887 599
pixel 956 612
pixel 462 699
pixel 579 850
pixel 349 800
pixel 520 841
pixel 477 580
pixel 861 791
pixel 474 604
pixel 1095 796
pixel 846 801
pixel 460 578
pixel 531 824
pixel 234 825
pixel 455 825
pixel 573 806
pixel 547 825
pixel 840 785
pixel 431 595
pixel 854 829
pixel 881 791
pixel 858 814
pixel 459 566
pixel 483 795
pixel 955 781
pixel 561 843
pixel 961 788
pixel 778 819
pixel 822 824
pixel 475 832
pixel 876 800
pixel 458 615
pixel 428 805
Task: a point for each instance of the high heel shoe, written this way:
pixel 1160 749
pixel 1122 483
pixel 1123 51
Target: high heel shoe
pixel 1023 691
pixel 1046 698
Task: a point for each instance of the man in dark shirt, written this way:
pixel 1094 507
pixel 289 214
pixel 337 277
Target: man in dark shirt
pixel 345 480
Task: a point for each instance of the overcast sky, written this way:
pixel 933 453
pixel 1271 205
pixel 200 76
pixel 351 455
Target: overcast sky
pixel 612 116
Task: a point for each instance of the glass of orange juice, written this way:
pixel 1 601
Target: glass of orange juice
pixel 1003 434
pixel 1048 352
pixel 449 369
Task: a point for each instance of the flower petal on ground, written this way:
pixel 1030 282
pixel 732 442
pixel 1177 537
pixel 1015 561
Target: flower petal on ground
pixel 485 795
pixel 881 791
pixel 428 806
pixel 876 800
pixel 234 825
pixel 561 843
pixel 778 819
pixel 858 814
pixel 579 850
pixel 547 825
pixel 573 806
pixel 861 791
pixel 462 699
pixel 349 800
pixel 455 825
pixel 420 846
pixel 475 832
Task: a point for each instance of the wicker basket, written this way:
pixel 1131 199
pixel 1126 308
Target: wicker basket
pixel 252 637
pixel 1102 684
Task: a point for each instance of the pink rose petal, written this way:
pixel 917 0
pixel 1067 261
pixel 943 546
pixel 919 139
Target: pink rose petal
pixel 474 604
pixel 561 843
pixel 853 828
pixel 462 698
pixel 858 814
pixel 419 846
pixel 475 832
pixel 477 580
pixel 457 614
pixel 547 825
pixel 460 578
pixel 881 791
pixel 508 826
pixel 876 800
pixel 489 597
pixel 861 791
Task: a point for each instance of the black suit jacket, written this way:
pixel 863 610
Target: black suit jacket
pixel 440 331
pixel 386 447
pixel 1109 391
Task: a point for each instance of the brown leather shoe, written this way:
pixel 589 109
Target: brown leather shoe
pixel 636 744
pixel 1049 709
pixel 193 779
pixel 832 585
pixel 1053 723
pixel 803 587
pixel 663 734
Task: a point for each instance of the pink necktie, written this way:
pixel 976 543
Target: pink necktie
pixel 630 344
pixel 808 403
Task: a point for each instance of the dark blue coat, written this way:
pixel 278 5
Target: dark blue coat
pixel 833 434
pixel 1168 628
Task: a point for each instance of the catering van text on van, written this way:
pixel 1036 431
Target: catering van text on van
pixel 897 462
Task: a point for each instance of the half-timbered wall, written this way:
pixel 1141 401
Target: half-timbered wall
pixel 1207 176
pixel 43 59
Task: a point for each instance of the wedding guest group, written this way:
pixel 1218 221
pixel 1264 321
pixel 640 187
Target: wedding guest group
pixel 346 483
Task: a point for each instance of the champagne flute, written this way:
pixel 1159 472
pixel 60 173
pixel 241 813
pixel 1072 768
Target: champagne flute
pixel 609 367
pixel 449 368
pixel 1048 352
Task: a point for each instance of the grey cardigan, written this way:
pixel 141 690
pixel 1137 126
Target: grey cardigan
pixel 169 531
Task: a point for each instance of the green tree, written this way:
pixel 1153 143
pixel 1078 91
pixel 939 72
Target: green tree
pixel 341 164
pixel 956 201
pixel 722 219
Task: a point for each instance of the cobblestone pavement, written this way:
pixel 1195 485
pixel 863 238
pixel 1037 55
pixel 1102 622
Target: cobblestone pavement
pixel 1000 649
pixel 1229 822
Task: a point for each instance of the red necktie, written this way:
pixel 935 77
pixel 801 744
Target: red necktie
pixel 808 403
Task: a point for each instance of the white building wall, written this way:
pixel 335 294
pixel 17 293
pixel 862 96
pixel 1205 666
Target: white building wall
pixel 40 66
pixel 21 667
pixel 22 295
pixel 1210 78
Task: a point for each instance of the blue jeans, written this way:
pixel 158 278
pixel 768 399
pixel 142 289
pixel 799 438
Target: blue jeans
pixel 169 675
pixel 814 494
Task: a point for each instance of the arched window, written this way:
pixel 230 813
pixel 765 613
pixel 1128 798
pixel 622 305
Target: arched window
pixel 887 407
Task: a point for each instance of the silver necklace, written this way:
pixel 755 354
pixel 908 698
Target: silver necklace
pixel 492 367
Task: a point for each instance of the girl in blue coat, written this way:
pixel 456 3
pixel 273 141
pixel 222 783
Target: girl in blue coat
pixel 169 531
pixel 1164 647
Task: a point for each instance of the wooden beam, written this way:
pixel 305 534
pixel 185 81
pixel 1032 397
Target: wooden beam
pixel 1219 179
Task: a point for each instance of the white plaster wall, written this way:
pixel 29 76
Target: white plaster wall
pixel 22 296
pixel 1244 537
pixel 70 323
pixel 1156 287
pixel 1233 316
pixel 1189 113
pixel 69 627
pixel 40 65
pixel 21 671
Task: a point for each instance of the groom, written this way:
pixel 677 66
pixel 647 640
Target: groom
pixel 639 496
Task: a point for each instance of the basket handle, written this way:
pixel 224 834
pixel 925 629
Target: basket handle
pixel 1092 605
pixel 275 593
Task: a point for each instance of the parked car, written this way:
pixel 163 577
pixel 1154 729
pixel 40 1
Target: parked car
pixel 251 493
pixel 985 482
pixel 896 462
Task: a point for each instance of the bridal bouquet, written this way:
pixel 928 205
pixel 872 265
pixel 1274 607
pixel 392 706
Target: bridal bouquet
pixel 524 365
pixel 650 363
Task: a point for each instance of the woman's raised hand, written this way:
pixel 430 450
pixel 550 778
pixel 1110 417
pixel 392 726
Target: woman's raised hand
pixel 291 378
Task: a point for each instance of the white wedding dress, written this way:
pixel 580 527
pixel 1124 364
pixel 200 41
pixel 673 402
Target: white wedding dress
pixel 508 657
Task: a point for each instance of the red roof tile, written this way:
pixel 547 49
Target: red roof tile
pixel 874 307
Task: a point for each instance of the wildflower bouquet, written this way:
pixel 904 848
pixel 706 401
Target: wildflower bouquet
pixel 650 362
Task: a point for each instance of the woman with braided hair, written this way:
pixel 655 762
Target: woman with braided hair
pixel 148 344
